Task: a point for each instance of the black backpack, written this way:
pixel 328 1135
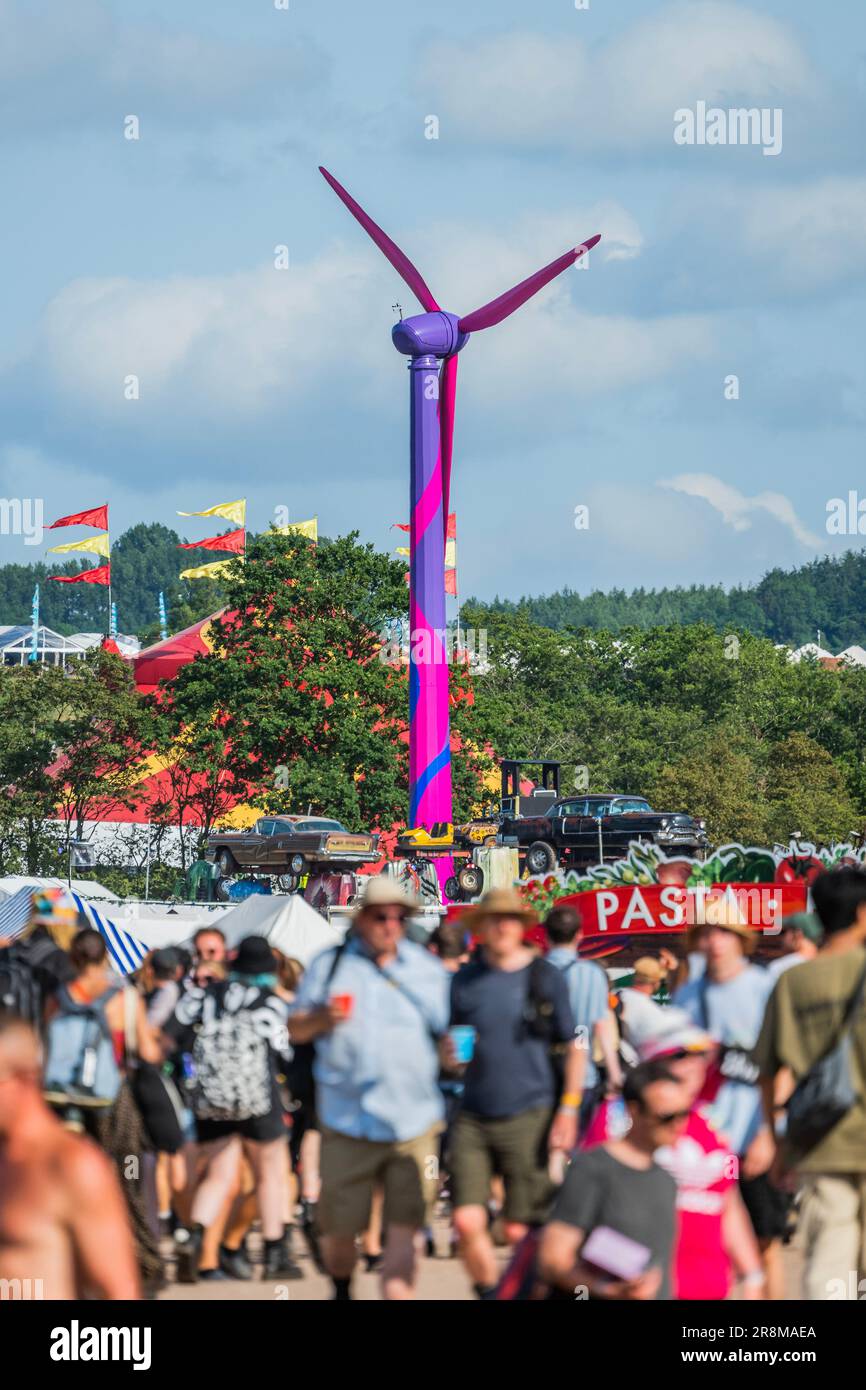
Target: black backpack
pixel 21 989
pixel 539 1019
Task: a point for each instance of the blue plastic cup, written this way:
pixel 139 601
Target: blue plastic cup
pixel 463 1037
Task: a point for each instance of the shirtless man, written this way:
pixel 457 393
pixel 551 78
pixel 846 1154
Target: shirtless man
pixel 63 1225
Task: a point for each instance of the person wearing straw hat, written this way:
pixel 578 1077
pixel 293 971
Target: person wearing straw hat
pixel 729 1000
pixel 512 1114
pixel 376 1007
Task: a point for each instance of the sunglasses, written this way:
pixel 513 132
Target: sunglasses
pixel 671 1118
pixel 384 914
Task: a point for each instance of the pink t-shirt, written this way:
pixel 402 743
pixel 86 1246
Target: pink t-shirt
pixel 701 1164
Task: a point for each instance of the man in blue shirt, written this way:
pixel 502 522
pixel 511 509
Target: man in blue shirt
pixel 513 1114
pixel 589 996
pixel 376 1008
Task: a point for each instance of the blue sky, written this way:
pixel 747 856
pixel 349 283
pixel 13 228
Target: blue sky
pixel 155 257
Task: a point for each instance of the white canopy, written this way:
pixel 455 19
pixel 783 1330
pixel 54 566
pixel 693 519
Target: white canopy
pixel 286 921
pixel 84 887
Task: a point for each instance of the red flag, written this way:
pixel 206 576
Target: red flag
pixel 232 540
pixel 97 516
pixel 451 582
pixel 102 575
pixel 450 527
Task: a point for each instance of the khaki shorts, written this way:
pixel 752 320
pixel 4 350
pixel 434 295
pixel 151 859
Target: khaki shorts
pixel 515 1149
pixel 406 1170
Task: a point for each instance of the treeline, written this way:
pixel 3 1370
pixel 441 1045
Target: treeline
pixel 732 731
pixel 786 605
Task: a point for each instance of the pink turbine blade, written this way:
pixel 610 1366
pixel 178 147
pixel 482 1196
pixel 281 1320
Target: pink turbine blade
pixel 499 309
pixel 389 248
pixel 447 399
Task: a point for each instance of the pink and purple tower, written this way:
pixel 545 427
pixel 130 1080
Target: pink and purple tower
pixel 432 341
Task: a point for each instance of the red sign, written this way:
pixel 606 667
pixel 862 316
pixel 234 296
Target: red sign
pixel 669 907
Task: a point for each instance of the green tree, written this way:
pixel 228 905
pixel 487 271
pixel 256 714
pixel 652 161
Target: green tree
pixel 719 781
pixel 310 714
pixel 98 736
pixel 806 792
pixel 33 700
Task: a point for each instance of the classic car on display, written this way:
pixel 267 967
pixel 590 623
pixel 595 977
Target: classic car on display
pixel 287 847
pixel 579 830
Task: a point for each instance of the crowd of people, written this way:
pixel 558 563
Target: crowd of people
pixel 659 1142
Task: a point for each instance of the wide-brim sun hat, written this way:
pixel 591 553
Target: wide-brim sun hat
pixel 721 910
pixel 383 891
pixel 649 971
pixel 498 902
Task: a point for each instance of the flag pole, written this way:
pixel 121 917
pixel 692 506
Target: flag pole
pixel 34 622
pixel 108 533
pixel 456 584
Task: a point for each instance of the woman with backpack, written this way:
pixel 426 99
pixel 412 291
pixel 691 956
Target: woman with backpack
pixel 236 1031
pixel 96 1029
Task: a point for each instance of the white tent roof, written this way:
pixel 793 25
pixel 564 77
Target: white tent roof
pixel 84 887
pixel 286 921
pixel 809 649
pixel 854 654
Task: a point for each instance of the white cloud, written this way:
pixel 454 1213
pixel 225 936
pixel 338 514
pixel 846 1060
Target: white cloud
pixel 739 511
pixel 251 346
pixel 523 89
pixel 63 66
pixel 809 234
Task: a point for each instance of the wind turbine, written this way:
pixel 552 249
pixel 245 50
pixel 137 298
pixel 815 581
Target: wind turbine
pixel 428 340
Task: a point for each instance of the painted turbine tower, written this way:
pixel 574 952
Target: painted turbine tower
pixel 432 341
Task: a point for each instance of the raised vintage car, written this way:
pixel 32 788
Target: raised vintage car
pixel 583 829
pixel 289 846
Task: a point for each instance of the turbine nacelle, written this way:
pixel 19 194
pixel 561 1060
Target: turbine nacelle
pixel 435 334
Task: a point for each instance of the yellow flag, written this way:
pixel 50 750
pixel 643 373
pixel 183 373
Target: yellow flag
pixel 310 529
pixel 402 550
pixel 209 571
pixel 451 555
pixel 94 545
pixel 232 511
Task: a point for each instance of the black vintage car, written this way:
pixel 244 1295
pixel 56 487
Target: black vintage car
pixel 582 829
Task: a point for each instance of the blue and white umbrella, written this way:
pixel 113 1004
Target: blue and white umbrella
pixel 126 951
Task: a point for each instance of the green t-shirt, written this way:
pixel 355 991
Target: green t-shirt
pixel 802 1022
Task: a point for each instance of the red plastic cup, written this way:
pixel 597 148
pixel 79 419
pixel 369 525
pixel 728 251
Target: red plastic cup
pixel 343 1003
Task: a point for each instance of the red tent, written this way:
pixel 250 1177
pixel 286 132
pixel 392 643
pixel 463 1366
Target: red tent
pixel 163 660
